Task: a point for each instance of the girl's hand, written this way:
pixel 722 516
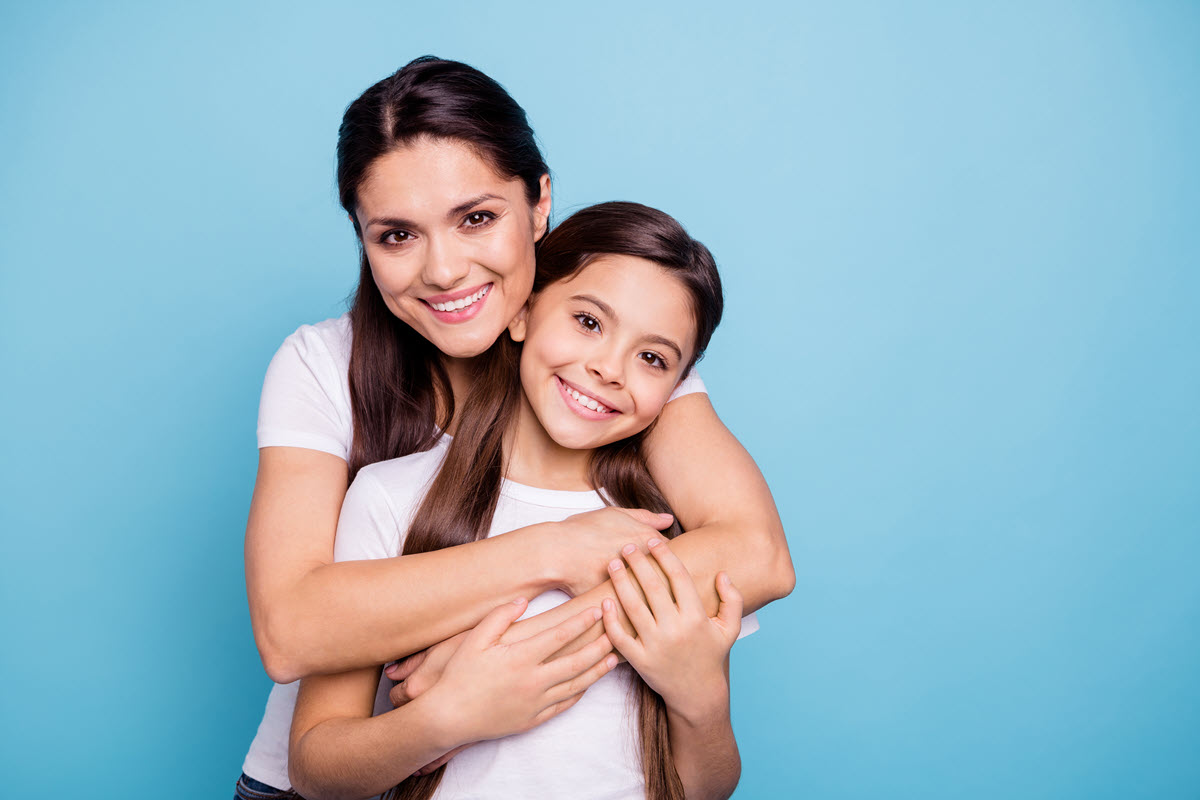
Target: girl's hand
pixel 582 544
pixel 679 651
pixel 416 673
pixel 489 689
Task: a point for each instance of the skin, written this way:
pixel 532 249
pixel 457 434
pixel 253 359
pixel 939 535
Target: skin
pixel 312 616
pixel 603 331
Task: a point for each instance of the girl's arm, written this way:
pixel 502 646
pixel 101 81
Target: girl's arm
pixel 683 654
pixel 313 616
pixel 488 690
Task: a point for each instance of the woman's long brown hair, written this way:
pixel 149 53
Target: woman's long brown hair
pixel 397 383
pixel 461 501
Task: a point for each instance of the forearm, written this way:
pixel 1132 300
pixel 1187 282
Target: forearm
pixel 703 747
pixel 362 757
pixel 350 614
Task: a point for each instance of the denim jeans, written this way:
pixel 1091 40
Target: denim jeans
pixel 249 789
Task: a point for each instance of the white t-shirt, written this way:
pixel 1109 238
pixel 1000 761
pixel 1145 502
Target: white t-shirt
pixel 306 403
pixel 588 751
pixel 306 395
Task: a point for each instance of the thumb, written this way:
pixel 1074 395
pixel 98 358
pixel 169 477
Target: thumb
pixel 653 519
pixel 729 612
pixel 492 627
pixel 406 666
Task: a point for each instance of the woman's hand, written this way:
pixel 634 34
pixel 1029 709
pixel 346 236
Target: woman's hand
pixel 489 689
pixel 416 673
pixel 581 545
pixel 679 651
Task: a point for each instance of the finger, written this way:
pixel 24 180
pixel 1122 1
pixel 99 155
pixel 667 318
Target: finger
pixel 655 520
pixel 399 695
pixel 631 598
pixel 581 682
pixel 682 584
pixel 493 626
pixel 616 632
pixel 658 596
pixel 553 710
pixel 729 612
pixel 406 666
pixel 551 640
pixel 568 666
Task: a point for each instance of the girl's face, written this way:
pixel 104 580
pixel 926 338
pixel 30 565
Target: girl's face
pixel 604 350
pixel 450 242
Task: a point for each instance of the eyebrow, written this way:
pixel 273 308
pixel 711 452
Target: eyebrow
pixel 458 210
pixel 608 311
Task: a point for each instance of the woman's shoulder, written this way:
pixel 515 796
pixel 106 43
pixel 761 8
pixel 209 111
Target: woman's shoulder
pixel 405 479
pixel 329 338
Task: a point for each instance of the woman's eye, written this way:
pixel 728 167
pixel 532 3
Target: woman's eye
pixel 395 237
pixel 477 219
pixel 653 359
pixel 588 322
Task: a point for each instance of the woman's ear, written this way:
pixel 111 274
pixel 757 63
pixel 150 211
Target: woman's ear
pixel 541 210
pixel 516 328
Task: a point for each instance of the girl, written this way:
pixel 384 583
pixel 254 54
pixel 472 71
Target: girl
pixel 625 302
pixel 447 192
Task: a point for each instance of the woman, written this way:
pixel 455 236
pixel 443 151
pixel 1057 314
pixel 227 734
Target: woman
pixel 448 194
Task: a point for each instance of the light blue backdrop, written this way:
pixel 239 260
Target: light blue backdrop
pixel 961 249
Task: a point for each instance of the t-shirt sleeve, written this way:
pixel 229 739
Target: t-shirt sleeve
pixel 306 395
pixel 367 527
pixel 690 384
pixel 749 625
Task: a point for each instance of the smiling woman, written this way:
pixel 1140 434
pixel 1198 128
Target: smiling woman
pixel 441 177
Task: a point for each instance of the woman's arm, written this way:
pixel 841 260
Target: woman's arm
pixel 488 690
pixel 312 616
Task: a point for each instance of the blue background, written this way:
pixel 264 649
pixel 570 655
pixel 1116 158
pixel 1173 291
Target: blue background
pixel 961 251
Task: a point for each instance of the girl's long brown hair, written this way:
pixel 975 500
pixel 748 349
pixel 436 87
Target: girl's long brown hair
pixel 396 377
pixel 461 501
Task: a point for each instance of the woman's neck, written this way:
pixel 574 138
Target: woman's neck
pixel 458 370
pixel 534 459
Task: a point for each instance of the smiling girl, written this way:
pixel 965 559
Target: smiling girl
pixel 624 304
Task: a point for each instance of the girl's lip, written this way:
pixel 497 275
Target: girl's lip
pixel 462 315
pixel 581 410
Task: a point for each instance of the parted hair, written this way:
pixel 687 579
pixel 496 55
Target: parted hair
pixel 462 498
pixel 396 375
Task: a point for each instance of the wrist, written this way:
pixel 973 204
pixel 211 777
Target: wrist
pixel 544 556
pixel 448 726
pixel 701 706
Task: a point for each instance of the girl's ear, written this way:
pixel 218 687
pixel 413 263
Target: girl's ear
pixel 516 328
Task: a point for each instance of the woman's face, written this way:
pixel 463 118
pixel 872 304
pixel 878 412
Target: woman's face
pixel 604 350
pixel 450 242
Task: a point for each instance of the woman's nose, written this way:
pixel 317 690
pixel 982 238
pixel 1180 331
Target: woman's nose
pixel 444 266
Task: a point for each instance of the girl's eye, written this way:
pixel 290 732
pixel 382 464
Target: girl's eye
pixel 395 237
pixel 653 359
pixel 477 219
pixel 587 321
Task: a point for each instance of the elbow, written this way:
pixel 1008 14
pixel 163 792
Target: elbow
pixel 778 559
pixel 277 650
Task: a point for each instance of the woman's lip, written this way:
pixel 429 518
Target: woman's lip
pixel 450 297
pixel 462 315
pixel 582 410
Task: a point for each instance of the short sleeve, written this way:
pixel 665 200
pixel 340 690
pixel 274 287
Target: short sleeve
pixel 306 395
pixel 690 384
pixel 749 625
pixel 367 528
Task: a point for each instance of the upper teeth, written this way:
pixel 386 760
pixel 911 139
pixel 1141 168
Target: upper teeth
pixel 584 400
pixel 455 305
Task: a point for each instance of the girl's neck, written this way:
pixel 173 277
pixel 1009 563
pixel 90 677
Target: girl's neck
pixel 531 457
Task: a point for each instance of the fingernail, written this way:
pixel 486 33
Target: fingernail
pixel 725 578
pixel 519 601
pixel 627 549
pixel 654 542
pixel 608 604
pixel 610 662
pixel 390 669
pixel 595 613
pixel 615 564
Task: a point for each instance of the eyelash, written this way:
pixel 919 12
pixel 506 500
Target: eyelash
pixel 487 219
pixel 656 361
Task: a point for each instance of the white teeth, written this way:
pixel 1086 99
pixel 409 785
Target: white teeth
pixel 456 305
pixel 587 402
